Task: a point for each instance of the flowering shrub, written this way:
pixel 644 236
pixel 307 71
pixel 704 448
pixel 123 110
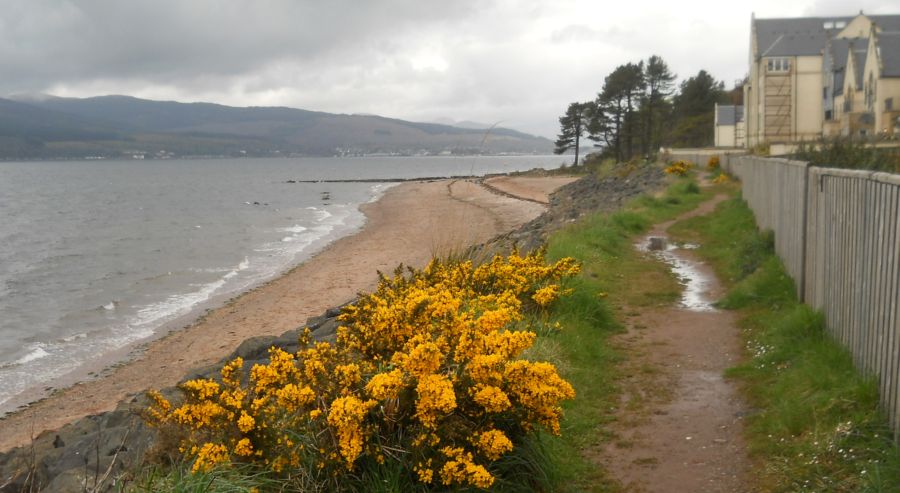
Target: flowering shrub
pixel 679 168
pixel 713 163
pixel 722 178
pixel 426 370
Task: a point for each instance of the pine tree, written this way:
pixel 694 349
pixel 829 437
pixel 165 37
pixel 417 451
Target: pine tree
pixel 619 99
pixel 694 108
pixel 660 85
pixel 572 126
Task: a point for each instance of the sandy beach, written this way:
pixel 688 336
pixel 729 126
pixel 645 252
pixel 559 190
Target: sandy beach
pixel 411 223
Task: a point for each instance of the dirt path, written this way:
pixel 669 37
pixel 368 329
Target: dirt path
pixel 678 427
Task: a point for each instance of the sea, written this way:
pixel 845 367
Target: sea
pixel 99 256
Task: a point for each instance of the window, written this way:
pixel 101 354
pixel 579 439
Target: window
pixel 889 104
pixel 778 64
pixel 870 93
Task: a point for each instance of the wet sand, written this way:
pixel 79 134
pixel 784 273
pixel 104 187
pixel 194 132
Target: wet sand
pixel 411 223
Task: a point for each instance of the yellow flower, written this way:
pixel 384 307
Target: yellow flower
pixel 293 397
pixel 461 469
pixel 231 373
pixel 423 359
pixel 436 398
pixel 539 389
pixel 446 332
pixel 201 388
pixel 492 399
pixel 159 407
pixel 493 444
pixel 243 448
pixel 246 423
pixel 346 417
pixel 546 295
pixel 347 375
pixel 385 385
pixel 209 455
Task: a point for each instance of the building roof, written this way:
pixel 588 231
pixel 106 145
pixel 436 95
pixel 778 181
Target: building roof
pixel 840 50
pixel 729 115
pixel 886 23
pixel 807 36
pixel 795 37
pixel 889 52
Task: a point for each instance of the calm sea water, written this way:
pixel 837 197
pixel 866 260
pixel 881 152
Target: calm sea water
pixel 98 255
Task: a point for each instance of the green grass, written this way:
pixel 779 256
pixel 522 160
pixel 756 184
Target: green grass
pixel 816 424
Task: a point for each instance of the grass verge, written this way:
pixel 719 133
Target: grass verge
pixel 816 425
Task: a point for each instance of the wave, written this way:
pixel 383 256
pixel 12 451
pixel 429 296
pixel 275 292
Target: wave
pixel 378 190
pixel 38 352
pixel 293 229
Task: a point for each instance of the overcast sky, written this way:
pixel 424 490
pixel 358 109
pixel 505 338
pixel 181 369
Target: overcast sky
pixel 516 61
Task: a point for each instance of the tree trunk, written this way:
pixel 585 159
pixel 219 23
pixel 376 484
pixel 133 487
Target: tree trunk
pixel 577 138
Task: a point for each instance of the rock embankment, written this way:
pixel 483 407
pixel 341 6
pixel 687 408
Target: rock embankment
pixel 589 194
pixel 99 453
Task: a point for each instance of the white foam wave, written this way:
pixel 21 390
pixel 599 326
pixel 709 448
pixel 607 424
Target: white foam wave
pixel 377 191
pixel 322 214
pixel 37 353
pixel 293 229
pixel 75 337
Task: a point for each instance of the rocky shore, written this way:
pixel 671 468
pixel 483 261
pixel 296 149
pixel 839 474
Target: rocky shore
pixel 103 451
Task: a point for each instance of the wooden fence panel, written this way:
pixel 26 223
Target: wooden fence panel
pixel 838 234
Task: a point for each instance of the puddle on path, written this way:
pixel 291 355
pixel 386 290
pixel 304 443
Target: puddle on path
pixel 696 283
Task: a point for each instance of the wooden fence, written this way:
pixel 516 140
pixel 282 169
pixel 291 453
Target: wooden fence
pixel 838 233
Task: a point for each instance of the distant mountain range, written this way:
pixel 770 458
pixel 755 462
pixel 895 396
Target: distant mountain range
pixel 43 127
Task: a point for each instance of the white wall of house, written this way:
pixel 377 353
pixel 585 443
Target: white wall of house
pixel 725 136
pixel 856 28
pixel 885 119
pixel 807 98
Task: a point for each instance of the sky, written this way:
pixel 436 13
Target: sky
pixel 517 62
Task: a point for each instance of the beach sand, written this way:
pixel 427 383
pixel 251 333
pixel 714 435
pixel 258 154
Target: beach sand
pixel 411 223
pixel 535 188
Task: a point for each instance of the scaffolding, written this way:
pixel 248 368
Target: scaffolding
pixel 778 107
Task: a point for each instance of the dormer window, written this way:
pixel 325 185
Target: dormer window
pixel 828 25
pixel 840 24
pixel 778 65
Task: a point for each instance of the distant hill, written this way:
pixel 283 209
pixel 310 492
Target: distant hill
pixel 113 126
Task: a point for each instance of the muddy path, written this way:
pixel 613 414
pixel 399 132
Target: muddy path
pixel 678 427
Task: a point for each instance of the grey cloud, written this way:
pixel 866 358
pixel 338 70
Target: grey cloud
pixel 157 40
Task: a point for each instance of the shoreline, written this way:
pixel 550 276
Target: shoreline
pixel 408 224
pixel 104 364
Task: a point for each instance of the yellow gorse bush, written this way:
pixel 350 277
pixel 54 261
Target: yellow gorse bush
pixel 679 168
pixel 713 162
pixel 426 370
